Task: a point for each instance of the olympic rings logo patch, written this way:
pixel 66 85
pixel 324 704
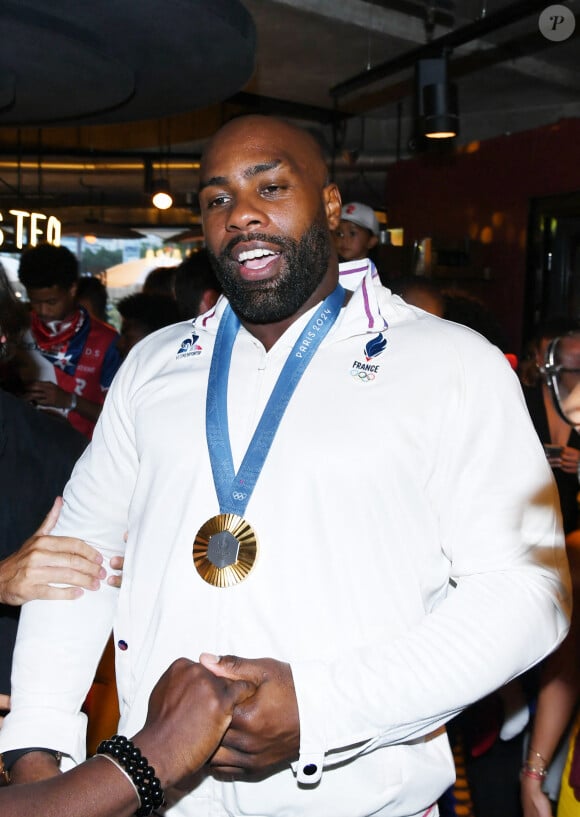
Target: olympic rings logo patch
pixel 238 495
pixel 362 375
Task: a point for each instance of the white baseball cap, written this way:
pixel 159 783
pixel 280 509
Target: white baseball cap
pixel 362 215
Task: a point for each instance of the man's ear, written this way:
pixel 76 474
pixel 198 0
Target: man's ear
pixel 332 204
pixel 208 300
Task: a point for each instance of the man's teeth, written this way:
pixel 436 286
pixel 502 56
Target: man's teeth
pixel 249 255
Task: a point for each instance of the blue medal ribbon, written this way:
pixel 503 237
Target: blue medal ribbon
pixel 234 490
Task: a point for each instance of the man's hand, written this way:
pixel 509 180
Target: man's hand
pixel 569 460
pixel 117 563
pixel 47 394
pixel 45 560
pixel 265 729
pixel 534 801
pixel 189 711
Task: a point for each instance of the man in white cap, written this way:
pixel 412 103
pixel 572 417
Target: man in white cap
pixel 356 235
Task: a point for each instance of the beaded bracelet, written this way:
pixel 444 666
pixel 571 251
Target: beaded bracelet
pixel 124 752
pixel 529 770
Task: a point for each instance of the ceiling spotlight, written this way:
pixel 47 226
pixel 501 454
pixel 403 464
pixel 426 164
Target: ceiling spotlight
pixel 161 198
pixel 436 100
pixel 440 117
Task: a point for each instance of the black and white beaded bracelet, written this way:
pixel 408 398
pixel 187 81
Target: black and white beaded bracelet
pixel 130 760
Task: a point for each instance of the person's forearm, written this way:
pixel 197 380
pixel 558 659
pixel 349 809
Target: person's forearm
pixel 556 703
pixel 189 710
pixel 558 696
pixel 94 789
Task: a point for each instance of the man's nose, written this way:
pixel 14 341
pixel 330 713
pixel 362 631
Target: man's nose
pixel 247 213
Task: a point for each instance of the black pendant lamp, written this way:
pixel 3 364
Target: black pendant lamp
pixel 436 100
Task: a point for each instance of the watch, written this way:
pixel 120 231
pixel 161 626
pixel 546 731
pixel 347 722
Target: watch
pixel 9 758
pixel 73 401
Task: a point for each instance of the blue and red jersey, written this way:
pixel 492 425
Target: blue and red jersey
pixel 86 364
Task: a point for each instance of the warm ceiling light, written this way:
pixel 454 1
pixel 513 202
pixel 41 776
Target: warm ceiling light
pixel 436 100
pixel 161 198
pixel 440 117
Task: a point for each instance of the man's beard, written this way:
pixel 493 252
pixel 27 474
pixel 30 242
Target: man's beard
pixel 303 266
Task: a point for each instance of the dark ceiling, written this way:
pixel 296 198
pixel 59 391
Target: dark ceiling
pixel 179 68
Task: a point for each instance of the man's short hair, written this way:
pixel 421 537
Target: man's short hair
pixel 150 310
pixel 193 277
pixel 93 290
pixel 160 281
pixel 47 266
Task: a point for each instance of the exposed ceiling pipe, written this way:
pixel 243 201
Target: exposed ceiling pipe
pixel 514 54
pixel 355 162
pixel 490 22
pixel 442 11
pixel 97 156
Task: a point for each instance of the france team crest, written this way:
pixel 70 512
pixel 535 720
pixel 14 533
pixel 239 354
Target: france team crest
pixel 375 346
pixel 367 372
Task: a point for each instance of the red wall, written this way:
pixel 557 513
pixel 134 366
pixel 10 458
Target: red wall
pixel 483 191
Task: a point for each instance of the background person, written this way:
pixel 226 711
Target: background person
pixel 559 694
pixel 560 440
pixel 160 281
pixel 357 233
pixel 558 698
pixel 37 453
pixel 80 351
pixel 422 292
pixel 446 600
pixel 356 237
pixel 196 286
pixel 141 314
pixel 92 294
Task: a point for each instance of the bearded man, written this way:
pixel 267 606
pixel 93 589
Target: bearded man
pixel 375 582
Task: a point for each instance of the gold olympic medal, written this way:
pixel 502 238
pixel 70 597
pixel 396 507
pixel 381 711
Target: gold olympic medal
pixel 225 550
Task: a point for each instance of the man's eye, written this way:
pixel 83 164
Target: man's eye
pixel 217 201
pixel 272 188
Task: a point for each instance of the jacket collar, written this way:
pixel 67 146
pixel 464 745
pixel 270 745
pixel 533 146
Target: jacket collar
pixel 365 312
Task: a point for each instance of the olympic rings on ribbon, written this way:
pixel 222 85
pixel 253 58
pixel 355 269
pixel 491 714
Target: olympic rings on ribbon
pixel 362 375
pixel 238 495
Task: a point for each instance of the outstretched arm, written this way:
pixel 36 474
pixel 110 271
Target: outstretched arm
pixel 187 701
